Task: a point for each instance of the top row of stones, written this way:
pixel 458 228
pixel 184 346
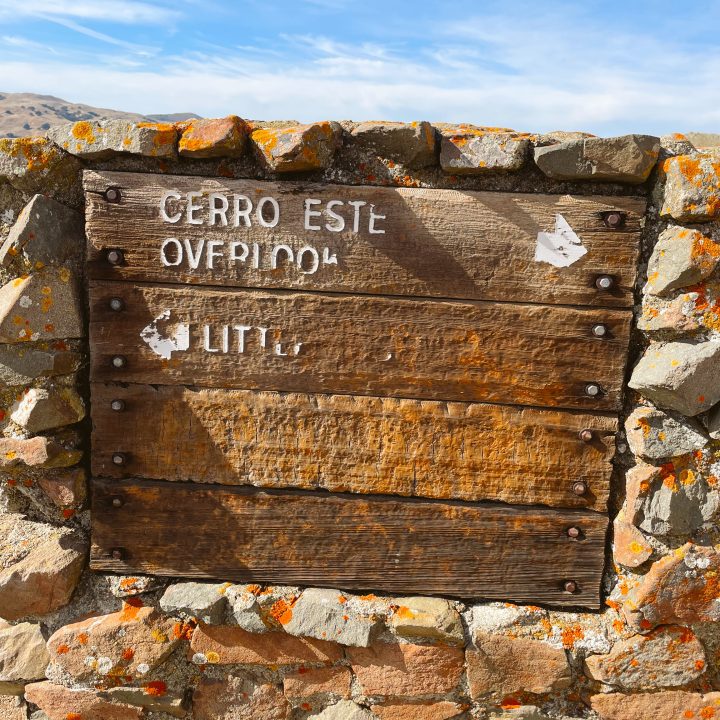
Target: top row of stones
pixel 459 149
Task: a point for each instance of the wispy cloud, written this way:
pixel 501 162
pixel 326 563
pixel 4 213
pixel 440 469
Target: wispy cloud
pixel 117 11
pixel 104 37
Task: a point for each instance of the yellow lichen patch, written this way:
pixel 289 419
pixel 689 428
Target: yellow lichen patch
pixel 83 131
pixel 267 139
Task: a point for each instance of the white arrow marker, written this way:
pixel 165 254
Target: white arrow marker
pixel 560 248
pixel 177 341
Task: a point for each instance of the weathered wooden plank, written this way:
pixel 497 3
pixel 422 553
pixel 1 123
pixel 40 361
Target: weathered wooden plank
pixel 346 443
pixel 522 554
pixel 426 349
pixel 439 243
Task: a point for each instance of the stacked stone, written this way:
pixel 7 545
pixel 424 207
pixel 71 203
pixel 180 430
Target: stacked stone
pixel 107 647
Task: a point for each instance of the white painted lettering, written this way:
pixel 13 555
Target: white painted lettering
pixel 164 259
pixel 243 213
pixel 192 208
pixel 276 251
pixel 206 340
pixel 339 219
pixel 311 213
pixel 314 260
pixel 218 212
pixel 212 253
pixel 263 336
pixel 357 204
pixel 371 224
pixel 163 206
pixel 234 257
pixel 329 259
pixel 276 212
pixel 194 259
pixel 241 330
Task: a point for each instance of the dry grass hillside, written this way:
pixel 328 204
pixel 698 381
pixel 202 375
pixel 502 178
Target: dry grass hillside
pixel 25 114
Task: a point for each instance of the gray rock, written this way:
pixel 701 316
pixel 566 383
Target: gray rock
pixel 692 188
pixel 560 136
pixel 679 503
pixel 628 158
pixel 343 710
pixel 427 618
pixel 676 144
pixel 675 317
pixel 20 365
pixel 682 376
pixel 680 258
pixel 411 144
pixel 657 435
pixel 298 148
pixel 45 232
pixel 102 139
pixel 244 609
pixel 23 654
pixel 204 601
pixel 170 703
pixel 326 615
pixel 712 423
pixel 43 306
pixel 474 152
pixel 45 409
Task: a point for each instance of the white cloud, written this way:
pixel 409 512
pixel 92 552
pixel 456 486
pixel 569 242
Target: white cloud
pixel 119 11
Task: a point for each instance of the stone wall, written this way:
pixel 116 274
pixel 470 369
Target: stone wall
pixel 76 645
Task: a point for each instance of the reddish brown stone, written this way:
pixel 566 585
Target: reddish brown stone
pixel 668 657
pixel 44 580
pixel 299 147
pixel 61 703
pixel 507 665
pixel 668 705
pixel 35 452
pixel 230 645
pixel 206 138
pixel 66 488
pixel 308 682
pixel 403 669
pixel 683 587
pixel 638 482
pixel 238 698
pixel 630 548
pixel 443 710
pixel 130 642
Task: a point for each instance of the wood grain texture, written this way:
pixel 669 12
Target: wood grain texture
pixel 353 444
pixel 242 534
pixel 425 349
pixel 438 243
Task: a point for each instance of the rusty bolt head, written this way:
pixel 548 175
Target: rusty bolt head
pixel 115 257
pixel 570 586
pixel 117 405
pixel 614 219
pixel 119 361
pixel 592 390
pixel 117 304
pixel 600 330
pixel 119 458
pixel 117 554
pixel 604 282
pixel 112 195
pixel 586 435
pixel 573 532
pixel 580 487
pixel 117 502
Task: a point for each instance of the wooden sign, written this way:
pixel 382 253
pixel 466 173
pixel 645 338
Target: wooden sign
pixel 416 353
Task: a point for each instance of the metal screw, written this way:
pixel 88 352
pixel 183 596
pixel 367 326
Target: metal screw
pixel 570 586
pixel 112 195
pixel 600 330
pixel 117 304
pixel 614 219
pixel 119 458
pixel 119 361
pixel 573 532
pixel 117 554
pixel 115 257
pixel 117 405
pixel 592 390
pixel 580 487
pixel 604 282
pixel 586 435
pixel 117 502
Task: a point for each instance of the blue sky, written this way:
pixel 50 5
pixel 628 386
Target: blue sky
pixel 605 67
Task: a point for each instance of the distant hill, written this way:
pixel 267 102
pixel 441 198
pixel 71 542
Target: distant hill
pixel 27 114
